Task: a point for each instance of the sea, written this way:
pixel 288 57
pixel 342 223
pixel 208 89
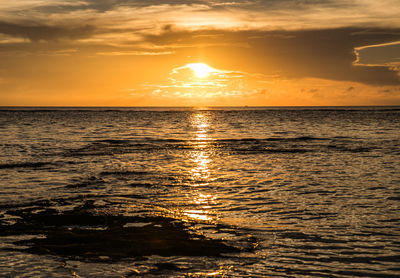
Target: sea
pixel 200 192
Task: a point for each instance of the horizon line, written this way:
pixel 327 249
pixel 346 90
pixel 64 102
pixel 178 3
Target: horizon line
pixel 184 106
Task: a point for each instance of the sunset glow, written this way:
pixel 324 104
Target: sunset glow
pixel 208 53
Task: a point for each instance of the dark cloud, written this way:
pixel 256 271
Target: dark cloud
pixel 45 32
pixel 325 54
pixel 248 4
pixel 390 91
pixel 105 5
pixel 256 5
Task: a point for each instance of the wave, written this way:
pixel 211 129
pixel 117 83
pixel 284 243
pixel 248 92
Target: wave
pixel 123 173
pixel 301 144
pixel 24 165
pixel 148 140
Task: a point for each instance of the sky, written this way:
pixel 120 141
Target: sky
pixel 151 53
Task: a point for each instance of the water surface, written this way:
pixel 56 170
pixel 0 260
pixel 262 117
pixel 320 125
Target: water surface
pixel 241 191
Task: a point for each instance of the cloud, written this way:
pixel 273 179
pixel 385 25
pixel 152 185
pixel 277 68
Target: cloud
pixel 328 53
pixel 124 23
pixel 378 55
pixel 45 32
pixel 7 40
pixel 281 92
pixel 13 6
pixel 366 55
pixel 150 16
pixel 135 53
pixel 184 83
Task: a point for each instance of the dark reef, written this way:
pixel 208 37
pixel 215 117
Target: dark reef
pixel 84 233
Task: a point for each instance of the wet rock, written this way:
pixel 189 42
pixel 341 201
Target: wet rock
pixel 82 234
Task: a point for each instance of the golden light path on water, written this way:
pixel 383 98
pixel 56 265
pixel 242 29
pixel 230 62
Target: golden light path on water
pixel 200 172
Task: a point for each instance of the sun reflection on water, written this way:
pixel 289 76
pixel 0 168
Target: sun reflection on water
pixel 200 202
pixel 200 172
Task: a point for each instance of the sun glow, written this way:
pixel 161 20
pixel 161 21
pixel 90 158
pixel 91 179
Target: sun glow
pixel 201 70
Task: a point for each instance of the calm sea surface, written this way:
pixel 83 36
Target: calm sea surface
pixel 176 192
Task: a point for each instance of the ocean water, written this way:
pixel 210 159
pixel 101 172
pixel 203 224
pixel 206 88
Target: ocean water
pixel 218 192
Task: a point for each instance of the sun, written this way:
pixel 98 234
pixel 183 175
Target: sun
pixel 201 70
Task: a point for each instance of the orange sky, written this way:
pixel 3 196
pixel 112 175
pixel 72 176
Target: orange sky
pixel 260 53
